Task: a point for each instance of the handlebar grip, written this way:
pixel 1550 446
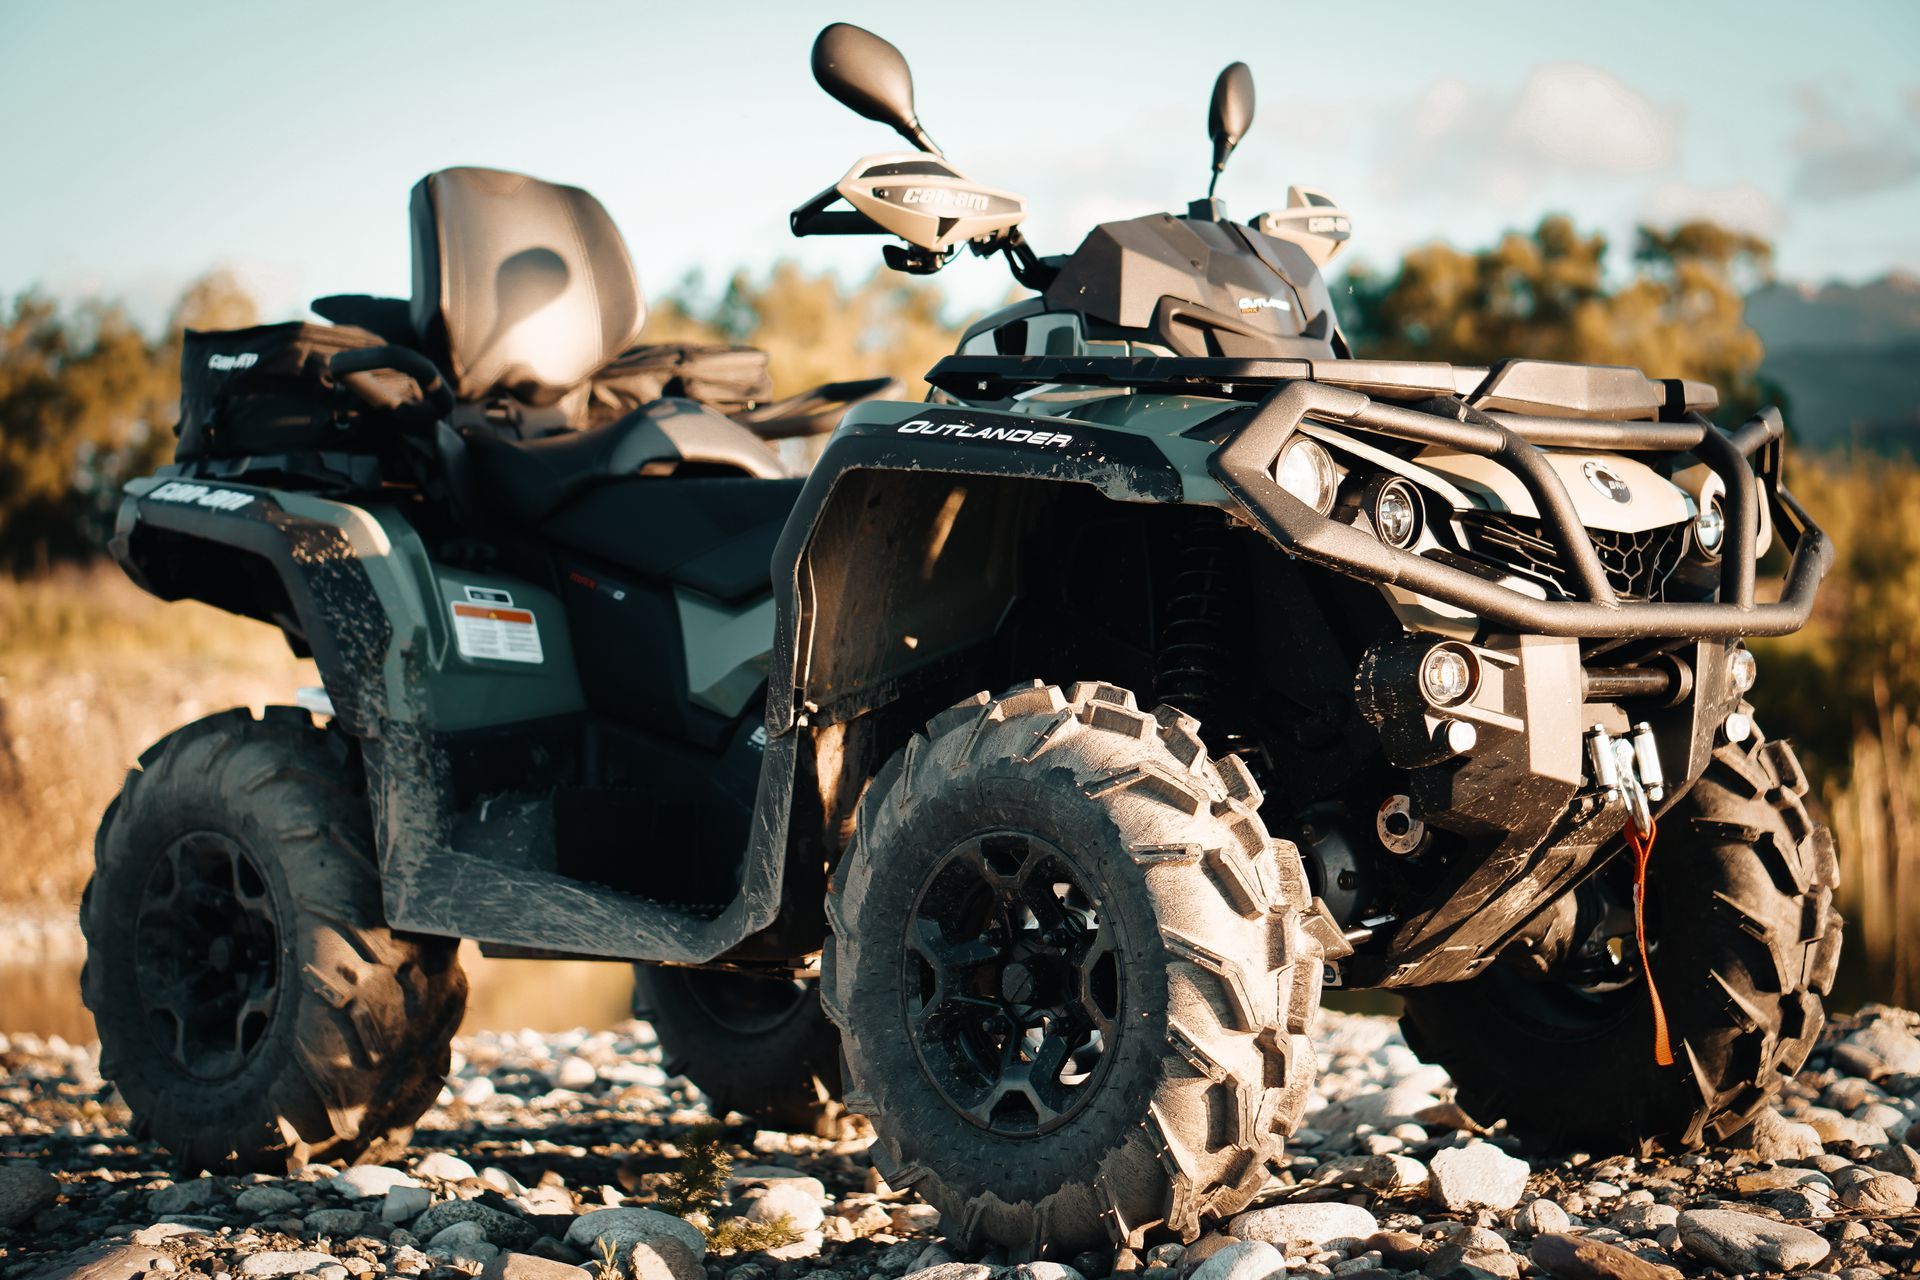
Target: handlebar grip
pixel 398 360
pixel 836 222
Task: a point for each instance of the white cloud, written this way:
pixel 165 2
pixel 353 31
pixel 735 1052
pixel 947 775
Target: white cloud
pixel 1740 205
pixel 1846 151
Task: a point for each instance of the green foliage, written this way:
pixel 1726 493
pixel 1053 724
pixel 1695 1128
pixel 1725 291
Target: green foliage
pixel 700 1182
pixel 742 1235
pixel 86 400
pixel 1547 296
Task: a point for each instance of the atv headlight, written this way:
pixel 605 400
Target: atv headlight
pixel 1710 528
pixel 1306 472
pixel 1449 674
pixel 1396 514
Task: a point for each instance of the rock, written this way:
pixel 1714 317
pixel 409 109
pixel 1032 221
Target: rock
pixel 624 1228
pixel 663 1258
pixel 1044 1271
pixel 364 1181
pixel 1244 1260
pixel 1645 1219
pixel 1402 1249
pixel 282 1262
pixel 165 1231
pixel 1572 1258
pixel 109 1262
pixel 1740 1242
pixel 527 1266
pixel 1835 1128
pixel 496 1226
pixel 1766 1180
pixel 335 1224
pixel 1886 1193
pixel 1393 1175
pixel 1296 1224
pixel 465 1231
pixel 1541 1217
pixel 439 1164
pixel 1381 1108
pixel 1896 1157
pixel 263 1200
pixel 1456 1261
pixel 184 1197
pixel 802 1201
pixel 909 1218
pixel 575 1073
pixel 1478 1175
pixel 404 1203
pixel 24 1191
pixel 1773 1137
pixel 1883 1050
pixel 953 1271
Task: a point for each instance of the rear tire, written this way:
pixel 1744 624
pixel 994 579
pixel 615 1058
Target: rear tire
pixel 253 1008
pixel 1037 868
pixel 759 1046
pixel 1745 940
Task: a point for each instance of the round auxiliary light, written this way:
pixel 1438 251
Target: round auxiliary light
pixel 1742 670
pixel 1448 675
pixel 1710 528
pixel 1396 514
pixel 1305 470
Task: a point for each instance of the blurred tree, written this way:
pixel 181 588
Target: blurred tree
pixel 1546 296
pixel 86 400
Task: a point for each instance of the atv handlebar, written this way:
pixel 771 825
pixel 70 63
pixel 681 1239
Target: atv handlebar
pixel 433 388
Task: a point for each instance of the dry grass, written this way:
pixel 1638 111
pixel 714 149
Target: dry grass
pixel 1876 820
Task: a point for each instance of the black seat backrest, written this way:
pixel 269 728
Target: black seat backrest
pixel 519 286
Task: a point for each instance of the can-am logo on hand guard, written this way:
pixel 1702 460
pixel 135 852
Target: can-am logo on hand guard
pixel 200 495
pixel 1607 481
pixel 1249 306
pixel 974 431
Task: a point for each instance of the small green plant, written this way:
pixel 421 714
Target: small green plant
pixel 742 1235
pixel 701 1180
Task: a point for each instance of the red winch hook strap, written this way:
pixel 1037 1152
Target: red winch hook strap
pixel 1642 846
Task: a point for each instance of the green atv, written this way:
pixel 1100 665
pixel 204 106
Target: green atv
pixel 1020 776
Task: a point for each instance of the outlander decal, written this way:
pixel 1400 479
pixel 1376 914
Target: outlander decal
pixel 973 431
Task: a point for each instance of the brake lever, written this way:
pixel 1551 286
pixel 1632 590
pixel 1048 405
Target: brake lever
pixel 401 360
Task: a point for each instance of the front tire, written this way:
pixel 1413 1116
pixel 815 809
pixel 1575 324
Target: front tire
pixel 253 1008
pixel 1745 941
pixel 1073 974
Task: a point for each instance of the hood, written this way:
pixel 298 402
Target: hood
pixel 1609 490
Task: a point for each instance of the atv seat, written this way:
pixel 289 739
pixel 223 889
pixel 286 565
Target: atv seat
pixel 715 536
pixel 528 480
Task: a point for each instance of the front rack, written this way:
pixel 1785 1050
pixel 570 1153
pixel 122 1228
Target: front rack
pixel 1478 411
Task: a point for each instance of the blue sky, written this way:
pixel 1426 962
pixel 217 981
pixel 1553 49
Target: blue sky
pixel 145 143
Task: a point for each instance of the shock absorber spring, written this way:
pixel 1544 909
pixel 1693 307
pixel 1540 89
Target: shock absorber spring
pixel 1201 631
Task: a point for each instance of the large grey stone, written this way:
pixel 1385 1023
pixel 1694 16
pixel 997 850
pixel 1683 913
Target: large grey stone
pixel 335 1224
pixel 264 1199
pixel 624 1228
pixel 184 1197
pixel 1773 1137
pixel 1295 1224
pixel 1886 1050
pixel 108 1262
pixel 1740 1242
pixel 442 1165
pixel 527 1266
pixel 364 1181
pixel 405 1203
pixel 1567 1257
pixel 1887 1193
pixel 24 1192
pixel 953 1271
pixel 1645 1219
pixel 496 1226
pixel 663 1258
pixel 801 1201
pixel 1246 1260
pixel 1541 1217
pixel 282 1262
pixel 1476 1176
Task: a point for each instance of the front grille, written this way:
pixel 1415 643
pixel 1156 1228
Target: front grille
pixel 1637 564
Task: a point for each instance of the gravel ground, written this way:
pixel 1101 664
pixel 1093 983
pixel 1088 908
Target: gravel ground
pixel 545 1151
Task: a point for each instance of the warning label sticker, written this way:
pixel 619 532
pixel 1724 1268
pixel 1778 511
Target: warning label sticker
pixel 493 631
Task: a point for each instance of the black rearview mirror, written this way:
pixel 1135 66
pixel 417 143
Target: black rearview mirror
pixel 1228 118
pixel 869 75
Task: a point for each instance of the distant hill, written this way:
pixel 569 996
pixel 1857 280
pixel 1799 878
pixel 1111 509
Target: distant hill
pixel 1847 358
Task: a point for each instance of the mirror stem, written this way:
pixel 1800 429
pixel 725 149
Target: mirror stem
pixel 918 137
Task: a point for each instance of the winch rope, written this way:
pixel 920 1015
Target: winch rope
pixel 1641 843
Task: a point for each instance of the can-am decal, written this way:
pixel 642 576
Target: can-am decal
pixel 974 431
pixel 245 360
pixel 200 495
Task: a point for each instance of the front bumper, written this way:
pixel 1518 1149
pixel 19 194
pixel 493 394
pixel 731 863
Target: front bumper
pixel 1244 465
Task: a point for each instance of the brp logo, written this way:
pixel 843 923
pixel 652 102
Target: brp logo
pixel 1607 481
